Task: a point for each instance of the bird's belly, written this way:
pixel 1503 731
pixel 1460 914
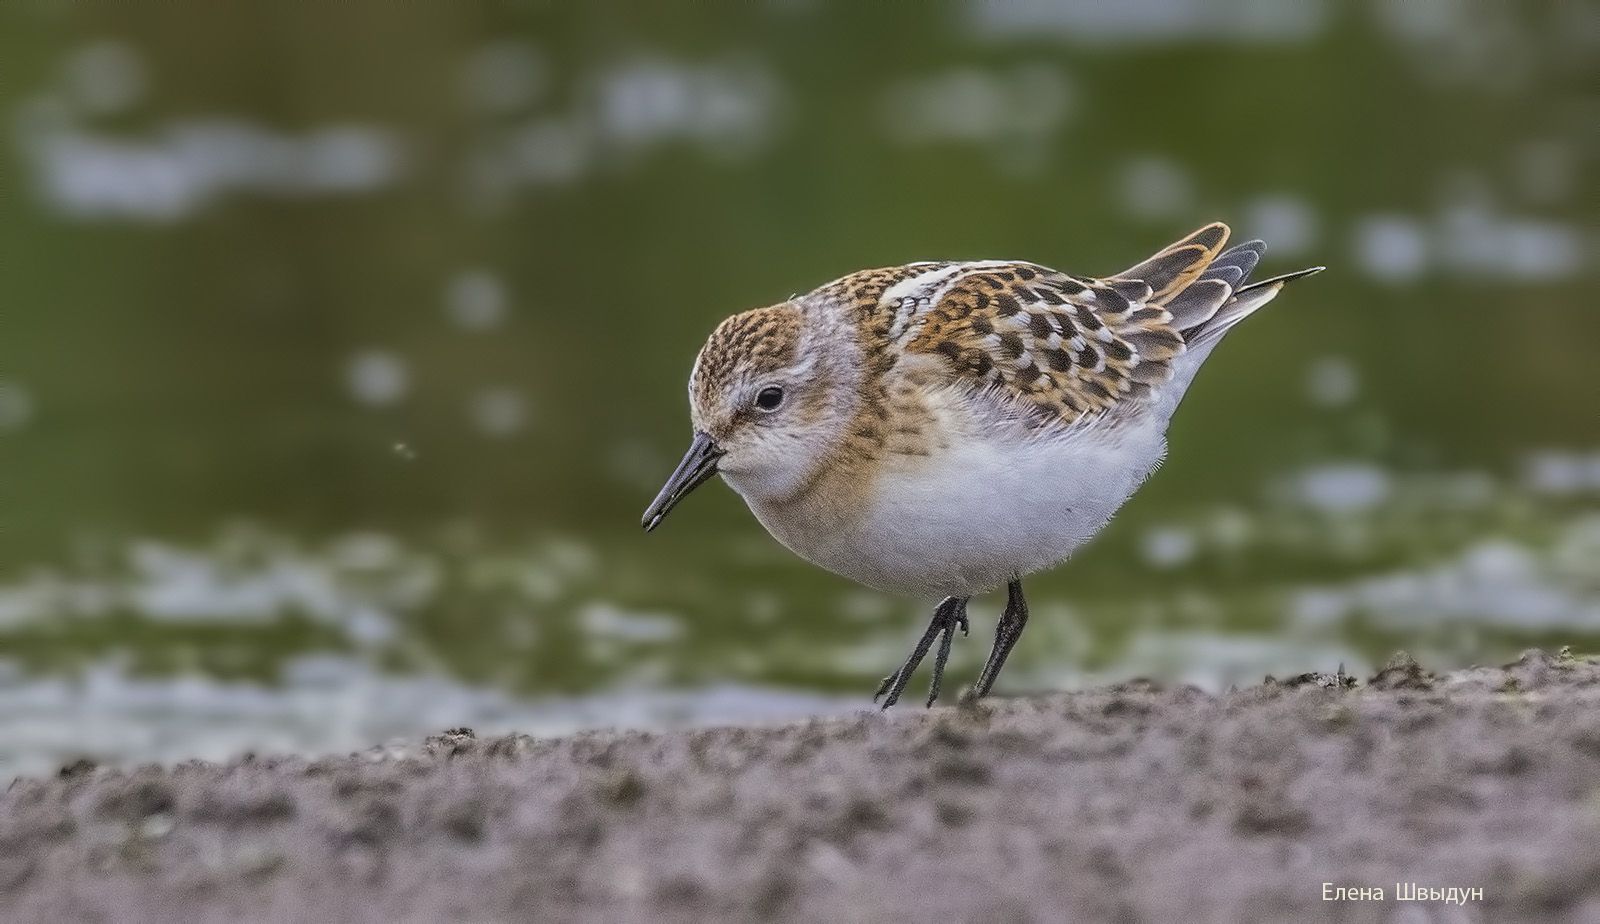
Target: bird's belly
pixel 971 517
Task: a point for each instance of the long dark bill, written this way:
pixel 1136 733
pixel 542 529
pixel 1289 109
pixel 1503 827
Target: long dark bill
pixel 697 467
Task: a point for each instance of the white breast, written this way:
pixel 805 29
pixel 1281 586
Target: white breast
pixel 986 509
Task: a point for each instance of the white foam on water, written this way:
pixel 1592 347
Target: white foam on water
pixel 498 412
pixel 1024 102
pixel 476 299
pixel 186 165
pixel 1149 22
pixel 1473 575
pixel 1495 582
pixel 377 377
pixel 609 621
pixel 728 105
pixel 1391 248
pixel 1167 547
pixel 105 77
pixel 327 705
pixel 1349 487
pixel 16 406
pixel 1153 187
pixel 1288 223
pixel 1331 381
pixel 552 150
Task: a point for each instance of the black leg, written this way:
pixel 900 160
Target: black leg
pixel 1012 622
pixel 950 615
pixel 945 639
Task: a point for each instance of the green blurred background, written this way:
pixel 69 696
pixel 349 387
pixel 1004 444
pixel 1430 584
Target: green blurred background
pixel 342 344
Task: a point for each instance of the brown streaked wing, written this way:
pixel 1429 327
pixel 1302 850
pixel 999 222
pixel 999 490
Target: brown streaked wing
pixel 1180 263
pixel 1067 346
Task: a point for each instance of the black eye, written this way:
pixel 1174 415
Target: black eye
pixel 769 398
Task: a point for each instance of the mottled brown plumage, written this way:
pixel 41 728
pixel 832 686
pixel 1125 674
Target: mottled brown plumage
pixel 758 341
pixel 1066 346
pixel 949 427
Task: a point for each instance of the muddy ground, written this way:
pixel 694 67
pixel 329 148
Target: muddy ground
pixel 1130 803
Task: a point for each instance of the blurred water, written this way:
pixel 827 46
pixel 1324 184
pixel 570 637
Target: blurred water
pixel 332 381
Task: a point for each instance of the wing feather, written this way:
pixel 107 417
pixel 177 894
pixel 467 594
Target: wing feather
pixel 1062 345
pixel 1171 269
pixel 1068 347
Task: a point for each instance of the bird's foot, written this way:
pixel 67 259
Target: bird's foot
pixel 951 615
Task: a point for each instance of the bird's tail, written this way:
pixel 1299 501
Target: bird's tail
pixel 1206 290
pixel 1246 298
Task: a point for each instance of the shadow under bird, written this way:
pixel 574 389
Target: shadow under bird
pixel 946 428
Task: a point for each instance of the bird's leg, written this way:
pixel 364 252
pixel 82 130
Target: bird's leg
pixel 943 655
pixel 950 615
pixel 1012 622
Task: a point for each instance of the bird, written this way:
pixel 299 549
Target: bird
pixel 942 429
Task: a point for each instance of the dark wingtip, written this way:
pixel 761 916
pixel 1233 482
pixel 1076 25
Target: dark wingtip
pixel 1285 278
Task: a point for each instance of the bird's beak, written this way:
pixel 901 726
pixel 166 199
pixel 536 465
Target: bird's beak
pixel 697 467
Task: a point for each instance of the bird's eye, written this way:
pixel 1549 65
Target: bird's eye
pixel 770 398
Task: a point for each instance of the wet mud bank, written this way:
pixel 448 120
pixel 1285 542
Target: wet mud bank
pixel 1129 803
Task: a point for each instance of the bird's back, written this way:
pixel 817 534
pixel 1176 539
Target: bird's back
pixel 1009 409
pixel 1064 347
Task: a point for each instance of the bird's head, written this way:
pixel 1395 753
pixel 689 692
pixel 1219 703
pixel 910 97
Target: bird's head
pixel 771 394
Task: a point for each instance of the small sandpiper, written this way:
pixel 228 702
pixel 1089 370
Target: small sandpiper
pixel 946 428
